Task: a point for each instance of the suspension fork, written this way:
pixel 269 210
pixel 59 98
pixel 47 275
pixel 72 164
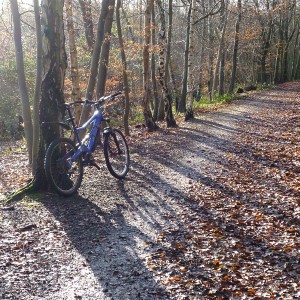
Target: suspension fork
pixel 107 131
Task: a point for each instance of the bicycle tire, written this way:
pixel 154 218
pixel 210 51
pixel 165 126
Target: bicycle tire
pixel 116 153
pixel 64 179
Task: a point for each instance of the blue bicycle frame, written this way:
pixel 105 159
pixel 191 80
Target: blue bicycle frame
pixel 96 118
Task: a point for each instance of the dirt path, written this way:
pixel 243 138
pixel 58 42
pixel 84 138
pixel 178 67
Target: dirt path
pixel 208 210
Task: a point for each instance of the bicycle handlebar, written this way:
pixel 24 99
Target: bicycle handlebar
pixel 91 102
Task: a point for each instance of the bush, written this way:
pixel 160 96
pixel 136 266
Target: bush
pixel 10 102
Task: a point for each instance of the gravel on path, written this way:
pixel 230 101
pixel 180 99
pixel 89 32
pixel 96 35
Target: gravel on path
pixel 101 243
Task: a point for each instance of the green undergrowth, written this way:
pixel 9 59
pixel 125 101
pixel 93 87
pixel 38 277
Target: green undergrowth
pixel 210 104
pixel 8 150
pixel 31 199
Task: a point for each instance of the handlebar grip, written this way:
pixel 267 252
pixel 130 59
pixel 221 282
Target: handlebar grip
pixel 116 94
pixel 101 100
pixel 72 103
pixel 89 102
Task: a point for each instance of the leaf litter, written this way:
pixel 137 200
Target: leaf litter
pixel 230 228
pixel 241 240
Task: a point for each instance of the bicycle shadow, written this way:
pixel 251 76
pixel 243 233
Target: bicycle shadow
pixel 114 250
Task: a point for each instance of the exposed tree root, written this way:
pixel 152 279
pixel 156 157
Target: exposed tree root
pixel 31 187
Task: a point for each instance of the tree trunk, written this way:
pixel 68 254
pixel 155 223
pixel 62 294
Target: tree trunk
pixel 201 58
pixel 95 60
pixel 153 66
pixel 169 40
pixel 37 88
pixel 124 62
pixel 150 124
pixel 189 97
pixel 277 72
pixel 210 51
pixel 75 96
pixel 265 50
pixel 218 66
pixel 182 103
pixel 129 26
pixel 295 55
pixel 104 56
pixel 85 6
pixel 221 74
pixel 54 67
pixel 21 77
pixel 235 47
pixel 174 85
pixel 161 68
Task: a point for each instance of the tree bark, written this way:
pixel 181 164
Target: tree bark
pixel 150 124
pixel 174 85
pixel 222 74
pixel 266 25
pixel 124 71
pixel 95 60
pixel 54 67
pixel 85 6
pixel 37 88
pixel 222 58
pixel 199 86
pixel 182 103
pixel 218 67
pixel 161 67
pixel 295 54
pixel 153 66
pixel 265 49
pixel 104 56
pixel 189 97
pixel 235 47
pixel 210 51
pixel 21 78
pixel 75 96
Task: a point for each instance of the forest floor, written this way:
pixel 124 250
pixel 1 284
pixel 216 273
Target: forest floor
pixel 209 210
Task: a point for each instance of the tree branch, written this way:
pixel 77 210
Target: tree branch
pixel 210 13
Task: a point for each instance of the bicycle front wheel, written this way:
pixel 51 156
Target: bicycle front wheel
pixel 63 174
pixel 116 153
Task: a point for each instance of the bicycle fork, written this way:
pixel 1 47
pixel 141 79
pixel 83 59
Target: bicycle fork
pixel 107 131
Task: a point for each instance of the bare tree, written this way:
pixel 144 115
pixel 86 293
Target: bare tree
pixel 182 102
pixel 190 84
pixel 54 68
pixel 21 77
pixel 236 46
pixel 156 99
pixel 37 89
pixel 163 48
pixel 86 10
pixel 76 95
pixel 95 60
pixel 219 68
pixel 124 71
pixel 104 56
pixel 150 124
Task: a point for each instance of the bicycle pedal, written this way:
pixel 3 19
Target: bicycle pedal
pixel 93 163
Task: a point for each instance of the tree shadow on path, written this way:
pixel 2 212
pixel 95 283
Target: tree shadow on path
pixel 109 246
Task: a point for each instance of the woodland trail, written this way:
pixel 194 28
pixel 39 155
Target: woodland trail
pixel 209 210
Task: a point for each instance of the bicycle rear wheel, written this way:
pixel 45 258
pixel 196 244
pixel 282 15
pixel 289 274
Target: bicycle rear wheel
pixel 63 175
pixel 116 153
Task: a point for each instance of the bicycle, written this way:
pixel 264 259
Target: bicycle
pixel 66 157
